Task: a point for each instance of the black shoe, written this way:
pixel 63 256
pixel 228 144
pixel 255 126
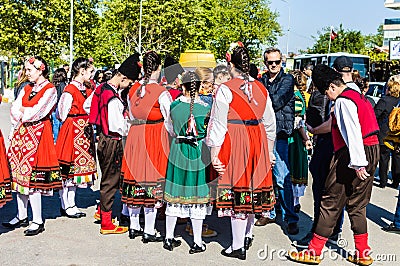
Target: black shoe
pixel 134 233
pixel 297 208
pixel 63 212
pixel 72 216
pixel 20 223
pixel 239 254
pixel 30 232
pixel 124 221
pixel 262 221
pixel 171 243
pixel 196 249
pixel 146 238
pixel 303 243
pixel 81 214
pixel 248 241
pixel 391 229
pixel 293 229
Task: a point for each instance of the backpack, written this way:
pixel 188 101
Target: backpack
pixel 392 140
pixel 317 110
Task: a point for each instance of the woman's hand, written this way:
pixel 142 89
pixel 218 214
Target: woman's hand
pixel 218 166
pixel 308 144
pixel 310 129
pixel 272 159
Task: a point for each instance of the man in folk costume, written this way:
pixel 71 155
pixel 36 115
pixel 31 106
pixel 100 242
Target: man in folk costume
pixel 107 112
pixel 172 72
pixel 32 155
pixel 349 182
pixel 75 143
pixel 241 134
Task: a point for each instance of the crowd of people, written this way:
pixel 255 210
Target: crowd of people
pixel 179 143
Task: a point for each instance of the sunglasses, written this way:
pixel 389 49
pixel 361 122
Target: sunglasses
pixel 277 62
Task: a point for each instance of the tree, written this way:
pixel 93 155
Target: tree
pixel 349 41
pixel 174 26
pixel 32 27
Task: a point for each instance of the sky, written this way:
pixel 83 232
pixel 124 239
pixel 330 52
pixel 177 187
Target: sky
pixel 307 17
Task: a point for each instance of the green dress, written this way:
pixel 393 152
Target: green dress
pixel 297 151
pixel 186 175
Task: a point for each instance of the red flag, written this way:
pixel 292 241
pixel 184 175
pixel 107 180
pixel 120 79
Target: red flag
pixel 333 35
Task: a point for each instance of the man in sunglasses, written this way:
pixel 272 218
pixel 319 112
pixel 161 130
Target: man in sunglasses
pixel 280 87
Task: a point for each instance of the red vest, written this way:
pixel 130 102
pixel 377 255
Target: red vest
pixel 99 107
pixel 78 99
pixel 366 116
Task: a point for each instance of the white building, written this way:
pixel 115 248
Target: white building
pixel 391 26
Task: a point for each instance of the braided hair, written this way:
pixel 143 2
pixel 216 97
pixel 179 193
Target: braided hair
pixel 151 62
pixel 78 64
pixel 191 82
pixel 241 60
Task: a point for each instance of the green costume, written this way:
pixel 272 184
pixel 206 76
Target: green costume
pixel 297 151
pixel 186 175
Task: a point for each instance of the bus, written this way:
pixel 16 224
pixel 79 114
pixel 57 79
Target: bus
pixel 360 62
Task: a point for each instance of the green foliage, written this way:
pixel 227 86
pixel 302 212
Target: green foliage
pixel 31 27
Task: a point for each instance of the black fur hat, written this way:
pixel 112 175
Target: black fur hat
pixel 131 67
pixel 322 76
pixel 172 69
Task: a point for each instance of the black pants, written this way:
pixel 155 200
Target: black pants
pixel 109 152
pixel 384 166
pixel 344 189
pixel 319 168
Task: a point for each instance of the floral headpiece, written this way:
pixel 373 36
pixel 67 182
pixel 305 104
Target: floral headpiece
pixel 231 48
pixel 37 63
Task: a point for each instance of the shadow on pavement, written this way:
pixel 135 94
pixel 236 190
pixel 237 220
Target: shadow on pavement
pixel 376 213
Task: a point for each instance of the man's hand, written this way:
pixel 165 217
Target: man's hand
pixel 308 144
pixel 310 129
pixel 362 174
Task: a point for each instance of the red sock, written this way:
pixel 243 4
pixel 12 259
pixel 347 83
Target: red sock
pixel 316 245
pixel 361 243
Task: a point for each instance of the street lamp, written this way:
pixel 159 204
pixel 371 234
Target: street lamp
pixel 288 30
pixel 140 28
pixel 71 35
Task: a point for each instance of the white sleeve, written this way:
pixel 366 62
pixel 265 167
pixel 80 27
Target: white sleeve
pixel 15 113
pixel 165 101
pixel 218 124
pixel 349 127
pixel 42 108
pixel 116 120
pixel 269 120
pixel 64 105
pixel 88 103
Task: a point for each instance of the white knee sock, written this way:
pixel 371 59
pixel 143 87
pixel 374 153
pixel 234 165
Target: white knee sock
pixel 61 193
pixel 150 220
pixel 238 232
pixel 125 210
pixel 134 217
pixel 170 222
pixel 22 203
pixel 250 225
pixel 36 205
pixel 197 225
pixel 64 199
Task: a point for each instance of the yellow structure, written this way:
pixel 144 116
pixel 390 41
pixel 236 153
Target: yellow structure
pixel 197 58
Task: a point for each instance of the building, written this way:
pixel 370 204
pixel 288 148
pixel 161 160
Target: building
pixel 391 26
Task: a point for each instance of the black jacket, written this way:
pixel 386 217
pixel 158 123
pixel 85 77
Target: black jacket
pixel 382 111
pixel 281 92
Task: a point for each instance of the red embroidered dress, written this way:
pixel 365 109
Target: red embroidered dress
pixel 246 186
pixel 32 155
pixel 147 147
pixel 75 144
pixel 5 178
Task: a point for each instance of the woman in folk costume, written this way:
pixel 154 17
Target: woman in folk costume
pixel 299 142
pixel 75 144
pixel 32 154
pixel 5 178
pixel 146 150
pixel 186 191
pixel 241 134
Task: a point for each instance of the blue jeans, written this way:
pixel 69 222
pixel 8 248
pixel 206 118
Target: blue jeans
pixel 397 213
pixel 284 183
pixel 56 124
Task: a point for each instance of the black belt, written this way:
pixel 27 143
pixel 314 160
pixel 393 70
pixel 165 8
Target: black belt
pixel 252 122
pixel 76 115
pixel 28 124
pixel 188 140
pixel 143 122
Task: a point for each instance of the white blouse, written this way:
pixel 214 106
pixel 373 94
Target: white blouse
pixel 44 106
pixel 218 125
pixel 66 100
